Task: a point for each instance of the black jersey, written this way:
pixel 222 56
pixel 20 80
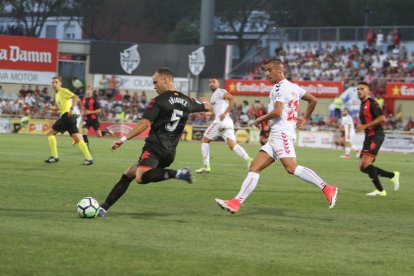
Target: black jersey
pixel 90 104
pixel 169 113
pixel 370 109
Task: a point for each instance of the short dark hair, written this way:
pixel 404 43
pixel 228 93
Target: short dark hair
pixel 214 77
pixel 364 83
pixel 57 77
pixel 166 71
pixel 276 61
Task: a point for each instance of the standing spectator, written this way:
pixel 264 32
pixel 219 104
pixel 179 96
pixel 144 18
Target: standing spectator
pixel 30 100
pixel 22 91
pixel 117 96
pixel 390 42
pixel 112 86
pixel 29 90
pixel 103 85
pixel 44 95
pixel 380 41
pixel 126 96
pixel 37 90
pixel 370 38
pixel 143 98
pixel 396 38
pixel 410 124
pixel 2 94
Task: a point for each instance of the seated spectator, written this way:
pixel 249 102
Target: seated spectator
pixel 409 126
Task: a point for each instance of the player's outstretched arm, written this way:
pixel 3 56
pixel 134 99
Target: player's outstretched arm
pixel 140 127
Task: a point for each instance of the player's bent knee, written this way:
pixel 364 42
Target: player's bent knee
pixel 291 169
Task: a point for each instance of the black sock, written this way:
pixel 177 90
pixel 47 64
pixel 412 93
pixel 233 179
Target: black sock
pixel 105 132
pixel 85 138
pixel 373 174
pixel 118 190
pixel 157 175
pixel 383 173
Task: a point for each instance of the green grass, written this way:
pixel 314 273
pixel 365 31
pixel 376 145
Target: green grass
pixel 172 228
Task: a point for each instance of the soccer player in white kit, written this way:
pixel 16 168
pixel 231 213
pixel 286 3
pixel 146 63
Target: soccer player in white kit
pixel 222 102
pixel 282 117
pixel 348 124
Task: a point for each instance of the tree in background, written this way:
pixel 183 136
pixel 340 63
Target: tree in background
pixel 31 15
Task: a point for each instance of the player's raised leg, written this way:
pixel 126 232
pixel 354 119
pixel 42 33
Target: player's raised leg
pixel 308 175
pixel 260 162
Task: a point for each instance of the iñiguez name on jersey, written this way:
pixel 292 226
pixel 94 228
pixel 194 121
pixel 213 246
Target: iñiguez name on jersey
pixel 289 94
pixel 218 103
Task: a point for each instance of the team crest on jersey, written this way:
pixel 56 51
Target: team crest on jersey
pixel 130 59
pixel 196 61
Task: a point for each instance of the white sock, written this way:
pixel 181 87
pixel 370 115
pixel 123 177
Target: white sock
pixel 347 150
pixel 241 152
pixel 309 176
pixel 248 186
pixel 205 151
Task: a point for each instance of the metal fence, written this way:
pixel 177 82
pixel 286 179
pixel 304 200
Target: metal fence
pixel 339 34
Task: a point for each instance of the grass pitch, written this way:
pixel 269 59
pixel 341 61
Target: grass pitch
pixel 172 228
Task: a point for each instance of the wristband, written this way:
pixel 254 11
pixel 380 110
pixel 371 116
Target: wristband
pixel 123 139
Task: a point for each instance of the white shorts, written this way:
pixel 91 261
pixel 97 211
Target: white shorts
pixel 218 128
pixel 280 145
pixel 79 118
pixel 351 137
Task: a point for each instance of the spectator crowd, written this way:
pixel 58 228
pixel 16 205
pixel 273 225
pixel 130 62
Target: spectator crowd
pixel 382 59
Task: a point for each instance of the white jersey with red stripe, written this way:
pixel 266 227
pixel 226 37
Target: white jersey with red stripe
pixel 289 94
pixel 218 103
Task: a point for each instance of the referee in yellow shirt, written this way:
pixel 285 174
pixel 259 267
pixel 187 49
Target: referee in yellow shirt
pixel 65 101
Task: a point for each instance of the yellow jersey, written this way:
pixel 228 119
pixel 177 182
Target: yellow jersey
pixel 63 100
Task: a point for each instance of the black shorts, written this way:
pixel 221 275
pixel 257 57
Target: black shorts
pixel 154 158
pixel 66 123
pixel 372 145
pixel 94 123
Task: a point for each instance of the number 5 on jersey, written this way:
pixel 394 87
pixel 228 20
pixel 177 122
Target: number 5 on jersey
pixel 175 119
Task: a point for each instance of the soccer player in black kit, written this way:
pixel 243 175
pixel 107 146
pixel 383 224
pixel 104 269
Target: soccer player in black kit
pixel 90 116
pixel 371 117
pixel 167 115
pixel 260 111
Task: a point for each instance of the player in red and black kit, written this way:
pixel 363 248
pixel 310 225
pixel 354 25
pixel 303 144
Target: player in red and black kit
pixel 260 111
pixel 90 116
pixel 167 115
pixel 371 117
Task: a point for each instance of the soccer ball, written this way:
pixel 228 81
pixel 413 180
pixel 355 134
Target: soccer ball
pixel 87 207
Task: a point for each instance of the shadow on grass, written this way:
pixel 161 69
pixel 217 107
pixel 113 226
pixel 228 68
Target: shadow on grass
pixel 277 212
pixel 150 215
